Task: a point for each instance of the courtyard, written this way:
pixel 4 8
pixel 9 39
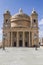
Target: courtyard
pixel 21 56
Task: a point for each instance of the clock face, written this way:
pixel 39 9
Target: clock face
pixel 34 25
pixel 6 25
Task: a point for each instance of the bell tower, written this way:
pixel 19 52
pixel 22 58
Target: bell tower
pixel 34 19
pixel 34 26
pixel 7 19
pixel 6 28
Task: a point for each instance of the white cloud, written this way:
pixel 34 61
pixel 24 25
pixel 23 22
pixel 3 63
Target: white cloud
pixel 40 33
pixel 41 28
pixel 0 31
pixel 41 22
pixel 0 34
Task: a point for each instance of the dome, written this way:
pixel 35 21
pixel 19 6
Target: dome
pixel 20 15
pixel 34 12
pixel 7 12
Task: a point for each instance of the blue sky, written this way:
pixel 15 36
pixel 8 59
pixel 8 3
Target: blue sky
pixel 27 6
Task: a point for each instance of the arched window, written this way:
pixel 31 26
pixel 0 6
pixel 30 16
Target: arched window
pixel 6 20
pixel 34 21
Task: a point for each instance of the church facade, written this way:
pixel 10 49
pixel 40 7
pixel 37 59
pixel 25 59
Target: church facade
pixel 20 30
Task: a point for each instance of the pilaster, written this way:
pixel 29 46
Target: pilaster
pixel 11 39
pixel 29 39
pixel 32 39
pixel 23 39
pixel 17 39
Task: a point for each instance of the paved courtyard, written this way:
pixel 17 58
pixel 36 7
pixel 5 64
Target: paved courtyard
pixel 21 56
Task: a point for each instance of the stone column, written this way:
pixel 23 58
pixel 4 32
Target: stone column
pixel 23 39
pixel 29 39
pixel 17 39
pixel 32 39
pixel 8 41
pixel 31 21
pixel 11 39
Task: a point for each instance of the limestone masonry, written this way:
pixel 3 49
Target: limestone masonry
pixel 20 30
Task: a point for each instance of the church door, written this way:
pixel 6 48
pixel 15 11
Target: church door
pixel 26 44
pixel 20 43
pixel 14 44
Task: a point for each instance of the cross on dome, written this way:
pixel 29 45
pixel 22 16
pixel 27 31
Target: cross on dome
pixel 33 11
pixel 20 10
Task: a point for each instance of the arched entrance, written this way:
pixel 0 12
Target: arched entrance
pixel 14 44
pixel 26 44
pixel 20 43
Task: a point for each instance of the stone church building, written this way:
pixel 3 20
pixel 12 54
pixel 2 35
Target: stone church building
pixel 20 30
